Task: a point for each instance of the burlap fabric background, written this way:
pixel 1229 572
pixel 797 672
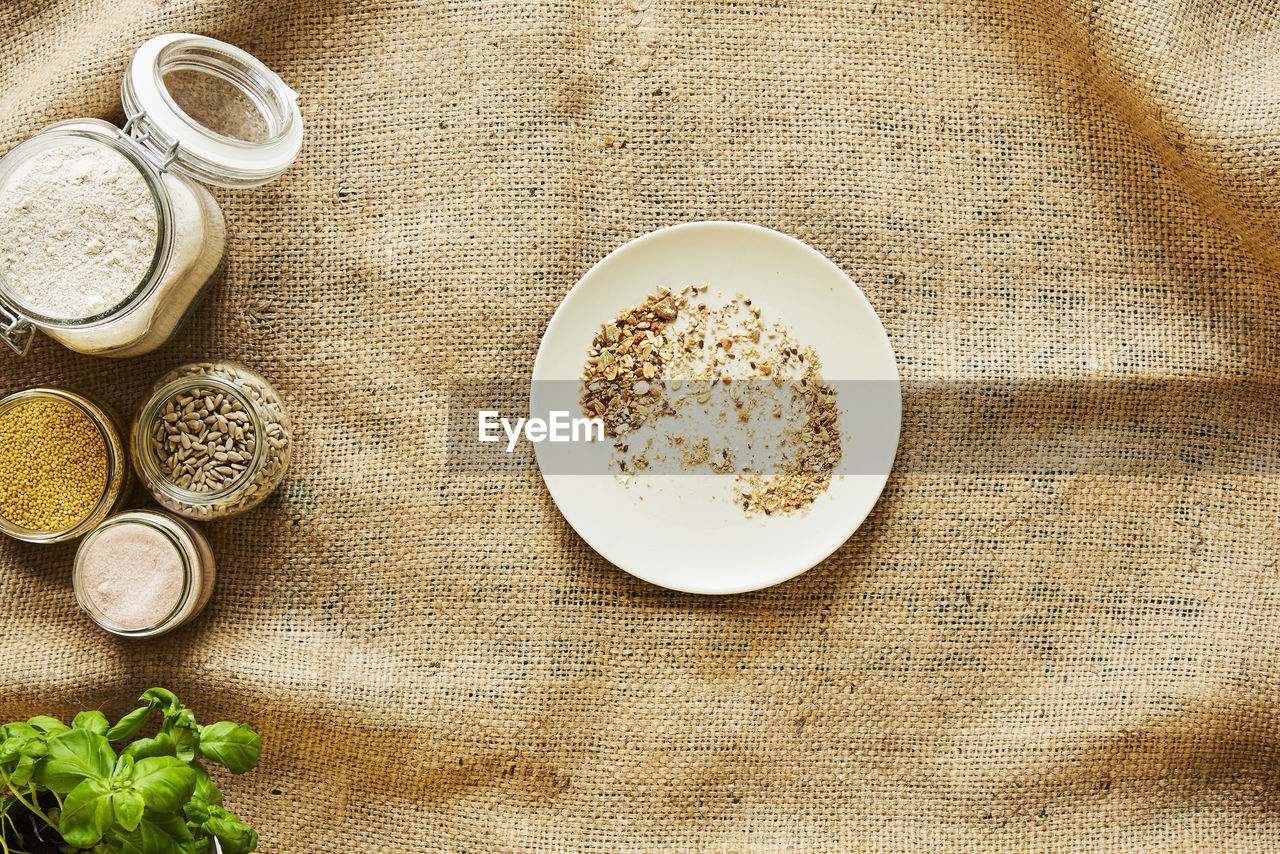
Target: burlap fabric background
pixel 1058 630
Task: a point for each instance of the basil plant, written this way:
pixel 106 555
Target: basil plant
pixel 66 789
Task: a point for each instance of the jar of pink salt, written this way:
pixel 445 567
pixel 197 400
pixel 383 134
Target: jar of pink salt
pixel 143 573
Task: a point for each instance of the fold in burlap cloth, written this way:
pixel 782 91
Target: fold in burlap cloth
pixel 1056 632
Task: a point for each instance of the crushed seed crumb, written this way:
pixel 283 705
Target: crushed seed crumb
pixel 674 352
pixel 623 359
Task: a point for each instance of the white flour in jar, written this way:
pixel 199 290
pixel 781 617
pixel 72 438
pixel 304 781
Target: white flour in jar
pixel 78 231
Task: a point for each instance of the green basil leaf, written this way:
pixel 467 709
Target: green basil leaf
pixel 161 745
pixel 179 717
pixel 159 698
pixel 36 748
pixel 127 805
pixel 234 836
pixel 186 742
pixel 156 835
pixel 181 725
pixel 92 721
pixel 233 745
pixel 13 737
pixel 75 755
pixel 164 782
pixel 206 790
pixel 123 772
pixel 175 827
pixel 86 814
pixel 48 725
pixel 22 740
pixel 129 725
pixel 196 810
pixel 22 772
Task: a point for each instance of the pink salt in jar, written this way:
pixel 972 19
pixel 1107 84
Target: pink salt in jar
pixel 143 573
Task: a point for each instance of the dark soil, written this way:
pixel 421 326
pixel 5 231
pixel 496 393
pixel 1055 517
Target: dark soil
pixel 33 836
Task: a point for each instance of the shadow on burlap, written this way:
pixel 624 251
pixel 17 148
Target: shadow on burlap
pixel 1058 629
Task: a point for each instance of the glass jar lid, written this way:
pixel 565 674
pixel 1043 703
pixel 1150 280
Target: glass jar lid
pixel 210 110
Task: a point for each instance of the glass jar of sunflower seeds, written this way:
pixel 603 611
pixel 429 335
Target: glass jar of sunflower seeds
pixel 212 440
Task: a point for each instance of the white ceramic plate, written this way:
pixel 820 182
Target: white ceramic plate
pixel 684 531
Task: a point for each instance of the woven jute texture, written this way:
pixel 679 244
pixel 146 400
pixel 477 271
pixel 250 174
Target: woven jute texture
pixel 1057 631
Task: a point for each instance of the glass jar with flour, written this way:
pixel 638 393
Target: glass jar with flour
pixel 108 236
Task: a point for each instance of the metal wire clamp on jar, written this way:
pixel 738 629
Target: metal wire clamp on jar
pixel 198 110
pixel 119 478
pixel 266 415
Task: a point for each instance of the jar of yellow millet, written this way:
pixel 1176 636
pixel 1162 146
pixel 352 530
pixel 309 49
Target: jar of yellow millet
pixel 63 465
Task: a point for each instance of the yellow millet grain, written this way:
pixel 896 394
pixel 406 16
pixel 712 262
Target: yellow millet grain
pixel 53 465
